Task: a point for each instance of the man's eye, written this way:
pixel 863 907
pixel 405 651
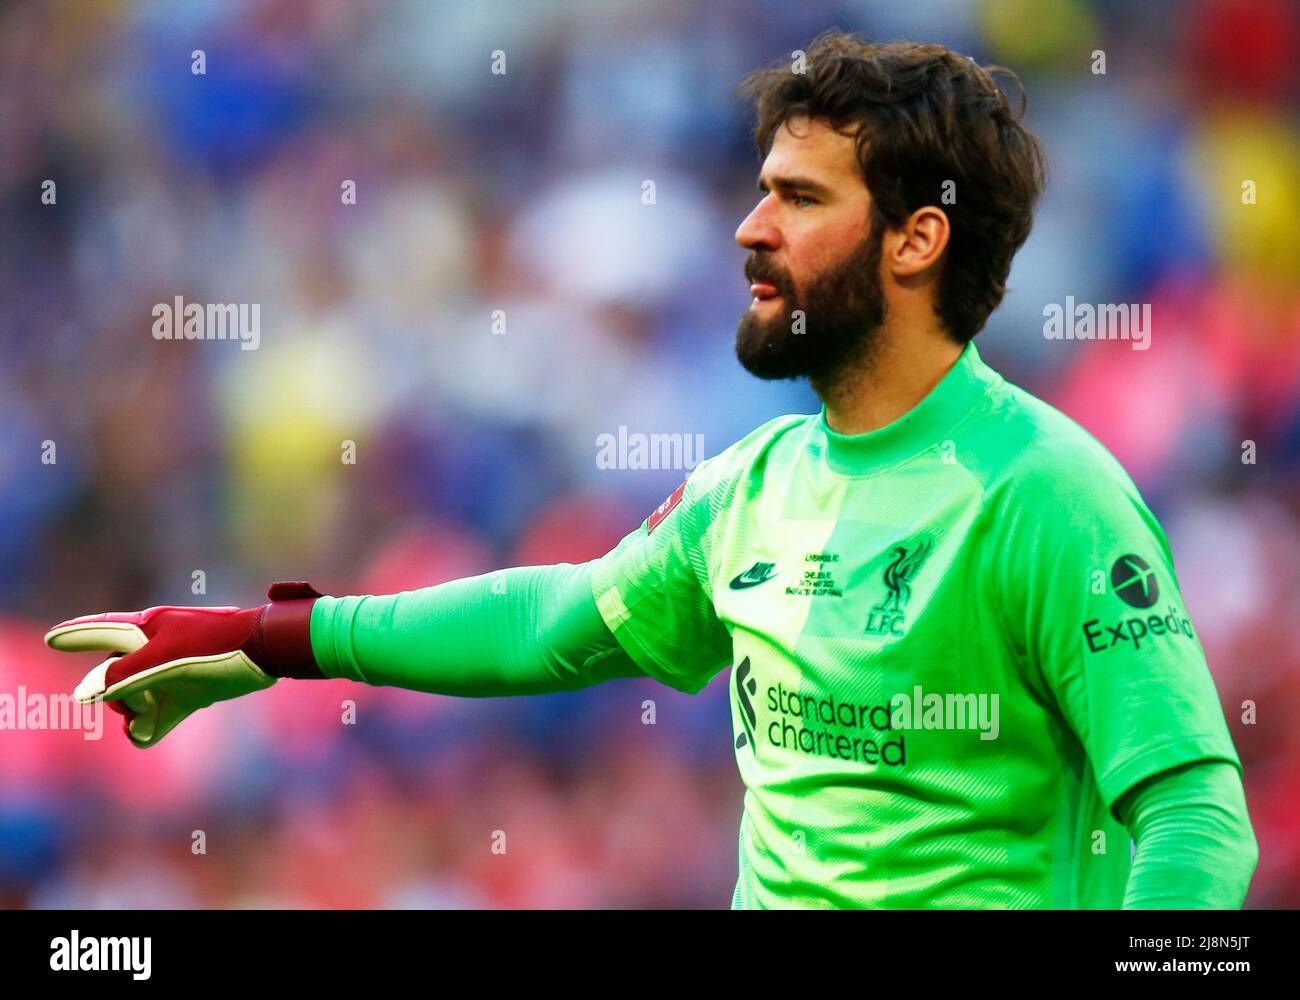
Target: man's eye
pixel 806 199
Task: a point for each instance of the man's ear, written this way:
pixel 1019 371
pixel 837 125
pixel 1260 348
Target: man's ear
pixel 919 241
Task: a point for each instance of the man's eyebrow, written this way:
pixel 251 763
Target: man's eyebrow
pixel 794 184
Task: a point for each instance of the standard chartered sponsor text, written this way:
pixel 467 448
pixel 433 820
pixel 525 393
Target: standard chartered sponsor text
pixel 872 733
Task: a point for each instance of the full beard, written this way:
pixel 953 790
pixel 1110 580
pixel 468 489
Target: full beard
pixel 842 313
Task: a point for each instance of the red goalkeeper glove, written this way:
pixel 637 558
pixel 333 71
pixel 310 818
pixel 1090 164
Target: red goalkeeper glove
pixel 169 661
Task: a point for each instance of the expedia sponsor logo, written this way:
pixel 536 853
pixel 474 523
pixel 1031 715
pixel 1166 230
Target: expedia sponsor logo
pixel 1134 582
pixel 1132 632
pixel 888 617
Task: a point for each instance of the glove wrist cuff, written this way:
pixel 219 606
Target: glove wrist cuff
pixel 283 634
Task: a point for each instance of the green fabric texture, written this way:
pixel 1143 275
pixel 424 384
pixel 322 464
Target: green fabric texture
pixel 1195 846
pixel 953 643
pixel 524 630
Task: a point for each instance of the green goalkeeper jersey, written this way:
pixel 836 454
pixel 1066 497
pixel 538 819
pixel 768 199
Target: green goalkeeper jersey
pixel 954 642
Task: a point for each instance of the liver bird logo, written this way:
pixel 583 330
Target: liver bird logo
pixel 902 570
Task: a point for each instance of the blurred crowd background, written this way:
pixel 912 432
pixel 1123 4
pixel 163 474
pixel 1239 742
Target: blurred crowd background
pixel 522 192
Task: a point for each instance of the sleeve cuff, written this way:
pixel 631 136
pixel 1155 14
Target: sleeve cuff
pixel 617 619
pixel 1118 780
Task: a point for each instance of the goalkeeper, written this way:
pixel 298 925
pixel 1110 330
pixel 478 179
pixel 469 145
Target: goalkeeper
pixel 962 673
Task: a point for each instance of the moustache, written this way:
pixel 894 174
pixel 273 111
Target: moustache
pixel 761 270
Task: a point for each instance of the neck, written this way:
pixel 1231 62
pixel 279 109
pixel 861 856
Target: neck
pixel 877 389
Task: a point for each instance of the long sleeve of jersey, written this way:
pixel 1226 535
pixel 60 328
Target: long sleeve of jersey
pixel 1195 846
pixel 524 630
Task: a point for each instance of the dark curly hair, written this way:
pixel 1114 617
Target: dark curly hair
pixel 921 115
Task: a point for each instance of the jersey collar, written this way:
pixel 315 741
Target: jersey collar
pixel 915 431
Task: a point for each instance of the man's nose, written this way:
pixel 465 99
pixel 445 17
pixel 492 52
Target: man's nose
pixel 758 231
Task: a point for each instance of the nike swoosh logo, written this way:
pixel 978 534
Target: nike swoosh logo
pixel 747 579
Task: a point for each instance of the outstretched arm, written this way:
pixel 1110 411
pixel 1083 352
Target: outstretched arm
pixel 525 630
